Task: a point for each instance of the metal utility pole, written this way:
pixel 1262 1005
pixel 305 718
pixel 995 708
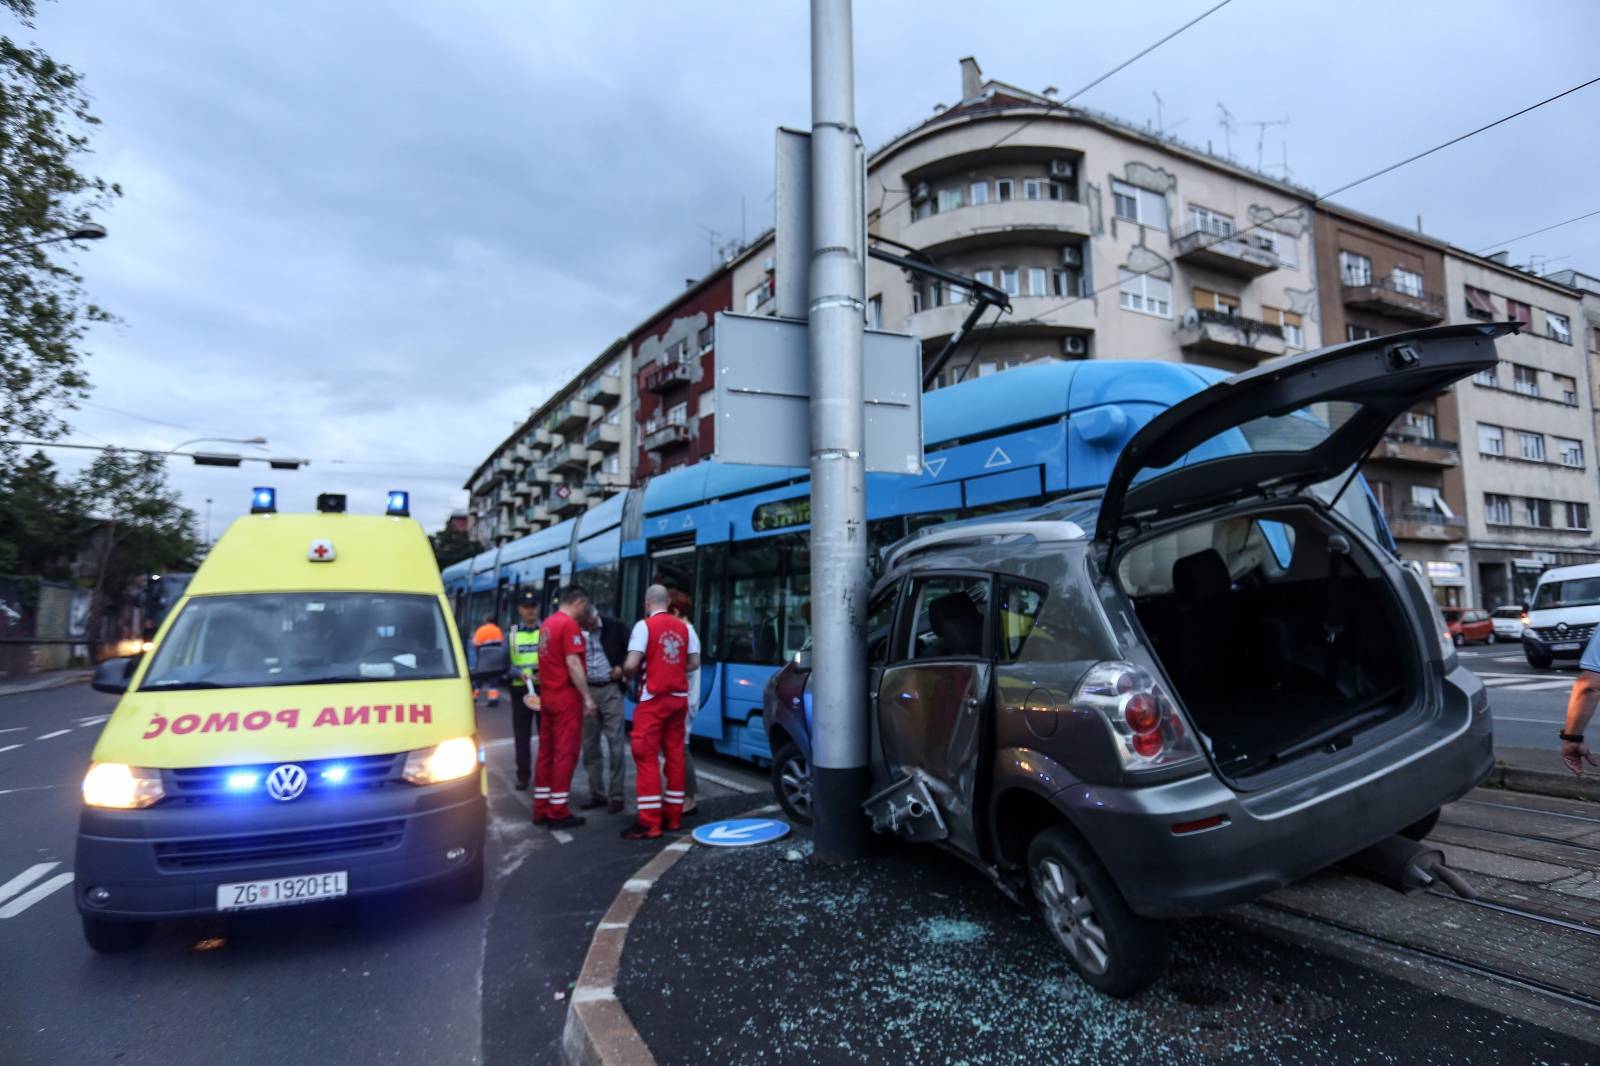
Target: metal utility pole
pixel 835 315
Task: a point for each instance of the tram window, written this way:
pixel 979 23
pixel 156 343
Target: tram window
pixel 709 602
pixel 754 623
pixel 881 534
pixel 915 522
pixel 631 601
pixel 601 581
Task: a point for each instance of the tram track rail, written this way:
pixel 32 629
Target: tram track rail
pixel 1536 837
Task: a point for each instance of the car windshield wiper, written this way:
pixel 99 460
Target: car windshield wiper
pixel 179 686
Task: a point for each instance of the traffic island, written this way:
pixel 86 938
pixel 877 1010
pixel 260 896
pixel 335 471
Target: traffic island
pixel 762 955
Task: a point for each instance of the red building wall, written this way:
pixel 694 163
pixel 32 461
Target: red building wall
pixel 684 320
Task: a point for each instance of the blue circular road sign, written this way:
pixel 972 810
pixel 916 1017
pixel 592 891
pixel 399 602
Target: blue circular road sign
pixel 741 832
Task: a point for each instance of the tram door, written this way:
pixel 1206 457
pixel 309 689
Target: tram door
pixel 552 589
pixel 674 567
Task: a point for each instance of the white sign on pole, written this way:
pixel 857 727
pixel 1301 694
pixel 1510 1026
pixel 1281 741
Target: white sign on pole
pixel 764 395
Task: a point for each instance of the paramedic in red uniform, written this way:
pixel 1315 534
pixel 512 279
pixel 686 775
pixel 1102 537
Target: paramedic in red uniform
pixel 667 648
pixel 564 699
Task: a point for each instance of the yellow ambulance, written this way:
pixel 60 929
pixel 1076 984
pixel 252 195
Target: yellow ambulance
pixel 302 729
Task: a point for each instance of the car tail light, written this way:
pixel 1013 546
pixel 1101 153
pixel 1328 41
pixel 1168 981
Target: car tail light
pixel 1146 725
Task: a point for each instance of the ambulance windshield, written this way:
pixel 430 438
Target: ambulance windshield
pixel 302 638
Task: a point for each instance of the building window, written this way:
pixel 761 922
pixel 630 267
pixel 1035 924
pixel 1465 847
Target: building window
pixel 921 209
pixel 955 294
pixel 949 199
pixel 1038 279
pixel 1426 498
pixel 755 297
pixel 614 417
pixel 1421 424
pixel 1145 294
pixel 708 337
pixel 1594 339
pixel 1525 379
pixel 1205 220
pixel 985 277
pixel 707 403
pixel 1002 189
pixel 1491 439
pixel 1535 512
pixel 1571 451
pixel 1294 334
pixel 1489 377
pixel 978 192
pixel 1406 281
pixel 1207 300
pixel 678 413
pixel 1519 312
pixel 1358 333
pixel 1355 269
pixel 1557 327
pixel 1531 445
pixel 1577 515
pixel 612 464
pixel 1480 304
pixel 1066 282
pixel 1139 205
pixel 1496 509
pixel 1059 190
pixel 1032 189
pixel 1568 387
pixel 1008 281
pixel 875 312
pixel 1286 246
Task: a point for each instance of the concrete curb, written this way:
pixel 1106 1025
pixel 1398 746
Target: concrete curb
pixel 59 681
pixel 1546 782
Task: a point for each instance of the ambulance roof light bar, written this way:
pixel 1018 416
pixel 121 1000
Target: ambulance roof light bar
pixel 263 500
pixel 399 504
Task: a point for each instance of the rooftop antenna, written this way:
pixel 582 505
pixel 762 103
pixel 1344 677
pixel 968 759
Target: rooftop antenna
pixel 1227 123
pixel 1261 135
pixel 1159 124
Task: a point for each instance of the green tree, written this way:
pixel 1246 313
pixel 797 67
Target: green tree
pixel 451 545
pixel 44 196
pixel 42 519
pixel 139 525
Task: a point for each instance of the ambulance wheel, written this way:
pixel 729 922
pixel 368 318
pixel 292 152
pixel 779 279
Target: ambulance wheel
pixel 108 936
pixel 1113 949
pixel 791 782
pixel 467 887
pixel 1420 828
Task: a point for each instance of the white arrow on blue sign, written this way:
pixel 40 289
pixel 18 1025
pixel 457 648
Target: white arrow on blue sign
pixel 741 832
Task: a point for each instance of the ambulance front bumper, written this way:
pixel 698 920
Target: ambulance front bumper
pixel 166 861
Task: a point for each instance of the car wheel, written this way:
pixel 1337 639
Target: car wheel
pixel 467 886
pixel 1113 949
pixel 108 936
pixel 1457 639
pixel 1537 661
pixel 791 782
pixel 1492 637
pixel 1420 828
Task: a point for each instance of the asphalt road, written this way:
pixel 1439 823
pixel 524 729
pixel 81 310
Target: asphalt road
pixel 411 978
pixel 1529 706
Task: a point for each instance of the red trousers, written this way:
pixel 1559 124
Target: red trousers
pixel 658 732
pixel 560 736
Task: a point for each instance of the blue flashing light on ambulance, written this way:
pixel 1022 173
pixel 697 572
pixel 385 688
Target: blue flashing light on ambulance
pixel 734 538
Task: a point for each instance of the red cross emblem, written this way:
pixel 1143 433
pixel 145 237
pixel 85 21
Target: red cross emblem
pixel 321 551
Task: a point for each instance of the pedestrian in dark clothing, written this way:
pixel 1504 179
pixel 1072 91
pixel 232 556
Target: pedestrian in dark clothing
pixel 606 652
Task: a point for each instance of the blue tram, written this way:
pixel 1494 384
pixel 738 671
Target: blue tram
pixel 735 537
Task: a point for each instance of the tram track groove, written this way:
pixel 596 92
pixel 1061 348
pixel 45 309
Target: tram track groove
pixel 1537 837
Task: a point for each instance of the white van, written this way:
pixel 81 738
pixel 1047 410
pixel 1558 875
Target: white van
pixel 1562 615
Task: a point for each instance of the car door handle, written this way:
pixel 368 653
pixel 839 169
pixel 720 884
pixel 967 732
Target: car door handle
pixel 972 703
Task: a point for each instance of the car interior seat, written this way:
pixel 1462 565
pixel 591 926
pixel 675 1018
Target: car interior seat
pixel 959 625
pixel 1205 622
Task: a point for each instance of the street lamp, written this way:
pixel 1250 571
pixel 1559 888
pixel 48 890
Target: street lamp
pixel 89 231
pixel 216 440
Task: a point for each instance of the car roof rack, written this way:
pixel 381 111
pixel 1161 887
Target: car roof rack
pixel 1040 529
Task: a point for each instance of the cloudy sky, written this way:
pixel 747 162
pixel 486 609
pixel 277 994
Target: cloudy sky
pixel 378 233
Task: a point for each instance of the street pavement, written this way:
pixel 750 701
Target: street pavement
pixel 411 978
pixel 1529 705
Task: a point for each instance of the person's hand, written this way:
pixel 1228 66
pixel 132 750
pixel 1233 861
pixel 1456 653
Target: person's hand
pixel 616 673
pixel 1574 753
pixel 530 700
pixel 590 708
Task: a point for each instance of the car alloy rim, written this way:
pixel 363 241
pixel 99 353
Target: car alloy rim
pixel 1071 917
pixel 796 780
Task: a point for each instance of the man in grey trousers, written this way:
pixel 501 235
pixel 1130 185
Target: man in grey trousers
pixel 606 649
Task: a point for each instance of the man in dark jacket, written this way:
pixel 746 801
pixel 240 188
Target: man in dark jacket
pixel 606 651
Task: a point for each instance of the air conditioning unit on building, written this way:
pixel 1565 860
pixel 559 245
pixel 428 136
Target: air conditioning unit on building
pixel 1061 168
pixel 1075 345
pixel 920 192
pixel 1071 255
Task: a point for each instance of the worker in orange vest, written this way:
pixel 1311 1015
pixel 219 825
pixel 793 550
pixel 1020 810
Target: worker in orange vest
pixel 489 635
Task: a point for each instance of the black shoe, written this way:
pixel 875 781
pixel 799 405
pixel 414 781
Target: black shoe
pixel 614 807
pixel 522 784
pixel 640 832
pixel 591 803
pixel 571 821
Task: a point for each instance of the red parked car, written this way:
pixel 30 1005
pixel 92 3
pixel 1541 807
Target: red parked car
pixel 1469 625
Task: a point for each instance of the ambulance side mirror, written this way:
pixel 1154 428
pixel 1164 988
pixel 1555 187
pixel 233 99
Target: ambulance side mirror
pixel 113 675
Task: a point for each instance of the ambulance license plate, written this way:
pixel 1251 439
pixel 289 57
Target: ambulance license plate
pixel 282 891
pixel 1571 645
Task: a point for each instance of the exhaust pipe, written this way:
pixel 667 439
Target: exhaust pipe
pixel 1407 866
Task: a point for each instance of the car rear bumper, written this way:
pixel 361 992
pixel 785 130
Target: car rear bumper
pixel 1269 841
pixel 167 861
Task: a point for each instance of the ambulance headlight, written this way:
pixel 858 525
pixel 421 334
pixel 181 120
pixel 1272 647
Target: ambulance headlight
pixel 450 760
pixel 399 503
pixel 263 500
pixel 119 787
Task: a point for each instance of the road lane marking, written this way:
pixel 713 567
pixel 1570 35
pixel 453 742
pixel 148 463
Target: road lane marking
pixel 30 788
pixel 52 736
pixel 34 895
pixel 84 723
pixel 562 835
pixel 9 747
pixel 725 782
pixel 14 729
pixel 25 878
pixel 1535 721
pixel 1535 686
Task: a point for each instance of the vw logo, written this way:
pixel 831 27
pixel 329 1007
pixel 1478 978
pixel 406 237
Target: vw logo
pixel 286 782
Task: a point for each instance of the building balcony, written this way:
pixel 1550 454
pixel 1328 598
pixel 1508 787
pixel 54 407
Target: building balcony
pixel 521 490
pixel 544 438
pixel 574 414
pixel 1427 525
pixel 665 436
pixel 523 454
pixel 574 501
pixel 1009 222
pixel 1417 451
pixel 1214 333
pixel 604 391
pixel 1240 257
pixel 606 484
pixel 603 438
pixel 666 376
pixel 1381 296
pixel 504 463
pixel 570 458
pixel 1030 315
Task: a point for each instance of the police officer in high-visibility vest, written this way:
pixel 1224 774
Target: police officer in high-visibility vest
pixel 523 644
pixel 668 650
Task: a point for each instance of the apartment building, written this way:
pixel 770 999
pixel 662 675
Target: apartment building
pixel 1112 243
pixel 1588 288
pixel 1376 278
pixel 573 451
pixel 672 369
pixel 1528 463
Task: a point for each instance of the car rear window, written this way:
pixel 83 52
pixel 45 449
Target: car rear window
pixel 302 638
pixel 1576 592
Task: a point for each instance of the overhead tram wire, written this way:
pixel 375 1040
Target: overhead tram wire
pixel 1535 233
pixel 1334 192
